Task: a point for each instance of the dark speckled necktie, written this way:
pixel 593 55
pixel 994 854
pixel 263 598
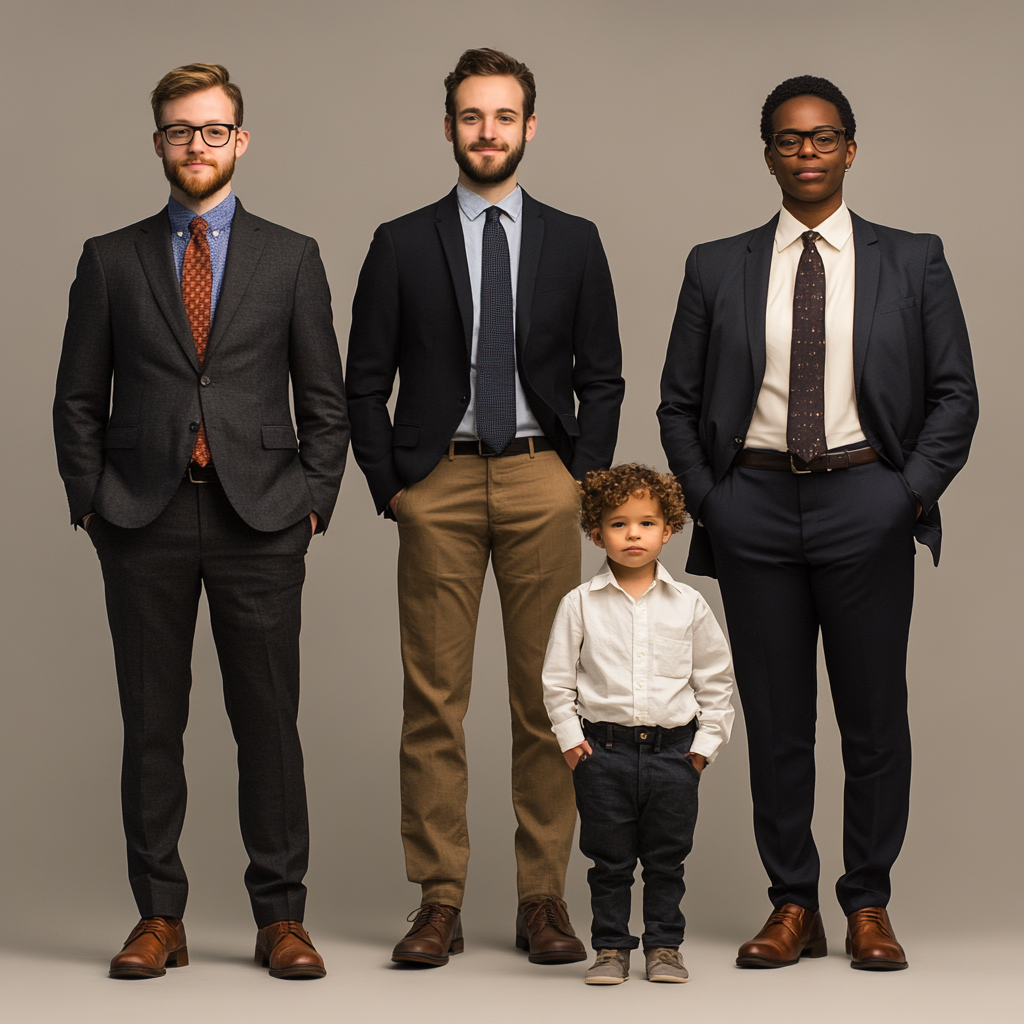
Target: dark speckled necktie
pixel 805 426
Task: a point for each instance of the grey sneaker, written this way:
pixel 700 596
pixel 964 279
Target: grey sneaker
pixel 610 968
pixel 665 965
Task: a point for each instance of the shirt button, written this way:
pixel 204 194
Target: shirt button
pixel 216 234
pixel 181 234
pixel 204 380
pixel 641 654
pixel 193 426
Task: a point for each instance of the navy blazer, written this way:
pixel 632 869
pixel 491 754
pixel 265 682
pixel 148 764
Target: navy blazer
pixel 913 374
pixel 131 392
pixel 413 315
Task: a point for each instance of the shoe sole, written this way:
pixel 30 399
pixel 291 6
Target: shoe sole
pixel 879 965
pixel 664 977
pixel 563 957
pixel 605 981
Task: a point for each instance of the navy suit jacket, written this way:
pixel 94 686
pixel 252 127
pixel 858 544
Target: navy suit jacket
pixel 413 315
pixel 913 374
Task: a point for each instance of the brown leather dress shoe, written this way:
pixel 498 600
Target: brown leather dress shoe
pixel 544 931
pixel 790 933
pixel 870 940
pixel 155 944
pixel 286 948
pixel 436 933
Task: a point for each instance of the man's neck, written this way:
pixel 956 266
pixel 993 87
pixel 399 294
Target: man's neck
pixel 492 193
pixel 813 214
pixel 200 206
pixel 634 580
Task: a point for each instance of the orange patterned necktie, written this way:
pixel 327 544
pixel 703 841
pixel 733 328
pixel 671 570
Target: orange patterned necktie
pixel 197 292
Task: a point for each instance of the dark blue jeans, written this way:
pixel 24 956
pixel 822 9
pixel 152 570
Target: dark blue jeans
pixel 637 798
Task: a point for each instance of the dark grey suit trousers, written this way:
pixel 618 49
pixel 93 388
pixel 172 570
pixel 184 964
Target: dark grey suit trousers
pixel 153 577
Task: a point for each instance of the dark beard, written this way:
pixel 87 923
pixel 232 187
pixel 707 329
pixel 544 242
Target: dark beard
pixel 195 189
pixel 498 172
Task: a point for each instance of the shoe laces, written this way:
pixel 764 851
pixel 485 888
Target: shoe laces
pixel 874 916
pixel 663 955
pixel 431 913
pixel 785 918
pixel 543 912
pixel 156 926
pixel 606 956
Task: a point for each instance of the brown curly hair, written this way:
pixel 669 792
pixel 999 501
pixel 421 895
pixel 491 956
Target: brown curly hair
pixel 604 489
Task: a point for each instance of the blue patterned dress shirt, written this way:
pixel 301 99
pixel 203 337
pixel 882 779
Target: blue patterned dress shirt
pixel 219 219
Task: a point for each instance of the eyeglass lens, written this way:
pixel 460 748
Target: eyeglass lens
pixel 213 134
pixel 823 141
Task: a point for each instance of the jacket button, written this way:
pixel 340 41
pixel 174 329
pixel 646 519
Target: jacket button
pixel 193 426
pixel 464 398
pixel 736 440
pixel 204 381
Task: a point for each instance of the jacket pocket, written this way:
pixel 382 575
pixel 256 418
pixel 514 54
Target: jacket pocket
pixel 572 428
pixel 894 304
pixel 121 437
pixel 405 435
pixel 279 436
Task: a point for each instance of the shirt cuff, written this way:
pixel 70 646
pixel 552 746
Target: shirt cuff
pixel 706 744
pixel 569 734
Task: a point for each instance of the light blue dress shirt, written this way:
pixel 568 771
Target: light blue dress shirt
pixel 219 219
pixel 471 209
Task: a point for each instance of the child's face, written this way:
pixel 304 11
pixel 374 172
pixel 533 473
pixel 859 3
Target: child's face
pixel 633 534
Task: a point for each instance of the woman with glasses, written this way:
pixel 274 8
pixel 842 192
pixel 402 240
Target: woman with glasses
pixel 818 397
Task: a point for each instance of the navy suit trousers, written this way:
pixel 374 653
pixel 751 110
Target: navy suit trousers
pixel 795 555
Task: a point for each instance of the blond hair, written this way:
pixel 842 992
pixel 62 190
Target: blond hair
pixel 190 78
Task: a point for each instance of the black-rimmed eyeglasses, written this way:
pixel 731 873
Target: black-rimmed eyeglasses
pixel 181 134
pixel 824 140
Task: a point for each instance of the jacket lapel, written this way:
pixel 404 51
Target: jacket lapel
pixel 154 250
pixel 755 295
pixel 866 259
pixel 530 245
pixel 449 227
pixel 244 248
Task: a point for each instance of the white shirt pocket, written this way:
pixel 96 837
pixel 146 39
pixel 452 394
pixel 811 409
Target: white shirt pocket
pixel 673 656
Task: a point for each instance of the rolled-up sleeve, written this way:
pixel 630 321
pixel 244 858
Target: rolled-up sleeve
pixel 559 675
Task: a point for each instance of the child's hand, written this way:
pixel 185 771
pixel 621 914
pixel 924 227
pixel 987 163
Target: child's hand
pixel 699 761
pixel 574 755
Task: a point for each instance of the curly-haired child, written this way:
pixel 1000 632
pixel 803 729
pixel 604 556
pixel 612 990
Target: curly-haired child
pixel 638 683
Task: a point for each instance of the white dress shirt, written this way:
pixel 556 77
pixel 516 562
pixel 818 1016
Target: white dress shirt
pixel 471 209
pixel 657 660
pixel 836 247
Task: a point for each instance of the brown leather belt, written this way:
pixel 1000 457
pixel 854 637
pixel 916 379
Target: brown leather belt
pixel 517 446
pixel 750 459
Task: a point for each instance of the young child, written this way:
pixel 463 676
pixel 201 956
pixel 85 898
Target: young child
pixel 637 684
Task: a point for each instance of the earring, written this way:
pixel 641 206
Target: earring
pixel 771 170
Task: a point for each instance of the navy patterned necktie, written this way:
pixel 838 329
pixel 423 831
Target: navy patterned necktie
pixel 496 342
pixel 805 426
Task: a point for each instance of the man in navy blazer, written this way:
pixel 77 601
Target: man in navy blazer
pixel 818 397
pixel 497 313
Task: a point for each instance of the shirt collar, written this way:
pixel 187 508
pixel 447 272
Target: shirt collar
pixel 606 578
pixel 219 218
pixel 473 205
pixel 836 230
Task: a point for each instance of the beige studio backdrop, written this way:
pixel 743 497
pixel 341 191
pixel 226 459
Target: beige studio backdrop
pixel 648 124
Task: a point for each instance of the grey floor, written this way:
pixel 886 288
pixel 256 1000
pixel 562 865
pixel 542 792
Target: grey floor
pixel 950 979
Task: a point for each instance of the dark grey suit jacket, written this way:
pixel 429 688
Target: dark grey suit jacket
pixel 413 315
pixel 913 374
pixel 126 322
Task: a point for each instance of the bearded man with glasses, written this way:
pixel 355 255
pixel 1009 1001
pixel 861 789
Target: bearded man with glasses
pixel 177 448
pixel 818 397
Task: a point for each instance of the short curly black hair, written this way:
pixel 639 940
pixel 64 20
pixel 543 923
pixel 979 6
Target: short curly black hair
pixel 605 489
pixel 807 85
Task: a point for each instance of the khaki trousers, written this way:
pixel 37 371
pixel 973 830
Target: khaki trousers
pixel 521 512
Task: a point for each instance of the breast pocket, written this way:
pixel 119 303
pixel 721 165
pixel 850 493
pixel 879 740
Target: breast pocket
pixel 672 657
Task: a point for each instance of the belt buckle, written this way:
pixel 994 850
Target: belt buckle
pixel 193 479
pixel 793 469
